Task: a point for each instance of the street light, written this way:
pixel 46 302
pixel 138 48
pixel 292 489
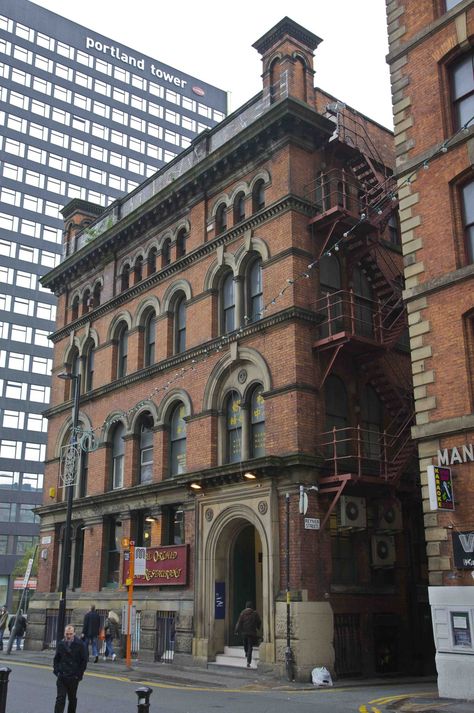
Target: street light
pixel 66 551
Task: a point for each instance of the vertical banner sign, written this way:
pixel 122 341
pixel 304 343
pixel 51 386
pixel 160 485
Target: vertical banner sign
pixel 140 561
pixel 219 601
pixel 440 488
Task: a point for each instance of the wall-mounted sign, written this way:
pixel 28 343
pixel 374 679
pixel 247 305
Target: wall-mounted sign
pixel 19 583
pixel 219 600
pixel 459 454
pixel 463 550
pixel 165 566
pixel 312 523
pixel 440 488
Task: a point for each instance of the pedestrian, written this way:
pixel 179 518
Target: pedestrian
pixel 17 624
pixel 247 626
pixel 3 623
pixel 70 662
pixel 90 631
pixel 112 631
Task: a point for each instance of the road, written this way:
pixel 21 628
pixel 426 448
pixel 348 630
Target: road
pixel 32 689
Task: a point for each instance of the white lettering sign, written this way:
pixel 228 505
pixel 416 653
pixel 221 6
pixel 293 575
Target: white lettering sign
pixel 140 561
pixel 122 56
pixel 462 454
pixel 467 541
pixel 312 523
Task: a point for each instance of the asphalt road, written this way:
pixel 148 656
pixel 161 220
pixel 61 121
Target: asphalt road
pixel 32 689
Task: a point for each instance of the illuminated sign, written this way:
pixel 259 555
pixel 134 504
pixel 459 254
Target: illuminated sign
pixel 440 488
pixel 165 566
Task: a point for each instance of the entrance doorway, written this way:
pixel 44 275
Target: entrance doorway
pixel 246 576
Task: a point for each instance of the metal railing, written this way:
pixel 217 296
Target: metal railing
pixel 364 451
pixel 165 636
pixel 345 311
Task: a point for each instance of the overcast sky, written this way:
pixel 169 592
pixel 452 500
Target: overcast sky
pixel 213 41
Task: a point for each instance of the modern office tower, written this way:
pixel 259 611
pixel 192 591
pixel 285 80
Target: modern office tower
pixel 432 66
pixel 82 117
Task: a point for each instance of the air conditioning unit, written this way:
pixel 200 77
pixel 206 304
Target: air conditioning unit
pixel 383 551
pixel 389 516
pixel 352 512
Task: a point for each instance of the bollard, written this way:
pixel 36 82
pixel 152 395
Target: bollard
pixel 4 673
pixel 143 699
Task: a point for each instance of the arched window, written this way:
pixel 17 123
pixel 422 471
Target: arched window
pixel 255 290
pixel 149 339
pixel 125 277
pixel 337 417
pixel 393 230
pixel 372 422
pixel 73 368
pixel 239 208
pixel 181 243
pixel 97 293
pixel 228 304
pixel 364 304
pixel 233 428
pixel 331 301
pixel 166 253
pixel 145 469
pixel 138 269
pixel 180 325
pixel 78 556
pixel 178 440
pixel 151 260
pixel 221 218
pixel 118 456
pixel 258 196
pixel 122 350
pixel 75 308
pixel 86 301
pixel 89 365
pixel 257 423
pixel 83 474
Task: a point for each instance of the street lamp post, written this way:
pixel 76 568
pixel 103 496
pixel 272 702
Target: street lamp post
pixel 66 551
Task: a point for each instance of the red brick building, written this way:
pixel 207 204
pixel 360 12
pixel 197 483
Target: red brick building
pixel 432 59
pixel 239 315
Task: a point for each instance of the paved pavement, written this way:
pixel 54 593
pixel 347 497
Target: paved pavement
pixel 236 678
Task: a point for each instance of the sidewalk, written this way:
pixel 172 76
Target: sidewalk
pixel 227 678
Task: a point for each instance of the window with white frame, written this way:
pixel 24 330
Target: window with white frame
pixel 17 148
pixel 31 228
pixel 7 248
pixel 25 279
pixel 18 361
pixel 20 333
pixel 39 393
pixel 15 390
pixel 33 178
pixel 13 419
pixel 36 422
pixel 41 339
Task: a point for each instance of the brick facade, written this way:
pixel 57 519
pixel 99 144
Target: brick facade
pixel 303 189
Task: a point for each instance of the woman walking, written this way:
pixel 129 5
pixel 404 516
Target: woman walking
pixel 112 631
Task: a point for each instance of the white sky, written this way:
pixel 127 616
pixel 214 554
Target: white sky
pixel 213 40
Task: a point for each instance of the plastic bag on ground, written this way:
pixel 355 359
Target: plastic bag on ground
pixel 321 677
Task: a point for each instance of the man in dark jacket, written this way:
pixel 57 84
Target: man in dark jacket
pixel 248 624
pixel 18 625
pixel 90 631
pixel 70 662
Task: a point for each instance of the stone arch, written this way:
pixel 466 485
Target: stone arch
pixel 124 316
pixel 260 176
pixel 178 286
pixel 240 188
pixel 222 198
pixel 244 253
pixel 216 543
pixel 228 260
pixel 91 335
pixel 151 302
pixel 111 421
pixel 169 401
pixel 182 225
pixel 225 374
pixel 144 406
pixel 84 420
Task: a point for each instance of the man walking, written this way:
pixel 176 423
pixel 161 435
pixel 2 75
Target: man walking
pixel 3 624
pixel 18 625
pixel 90 631
pixel 248 624
pixel 70 662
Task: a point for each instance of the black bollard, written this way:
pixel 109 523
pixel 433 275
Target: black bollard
pixel 4 673
pixel 143 699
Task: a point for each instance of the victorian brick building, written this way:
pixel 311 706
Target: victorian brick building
pixel 238 328
pixel 432 65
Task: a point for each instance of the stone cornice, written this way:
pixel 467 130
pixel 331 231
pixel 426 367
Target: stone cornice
pixel 281 121
pixel 285 204
pixel 443 282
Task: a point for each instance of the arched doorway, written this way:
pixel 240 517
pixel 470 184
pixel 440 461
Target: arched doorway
pixel 245 576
